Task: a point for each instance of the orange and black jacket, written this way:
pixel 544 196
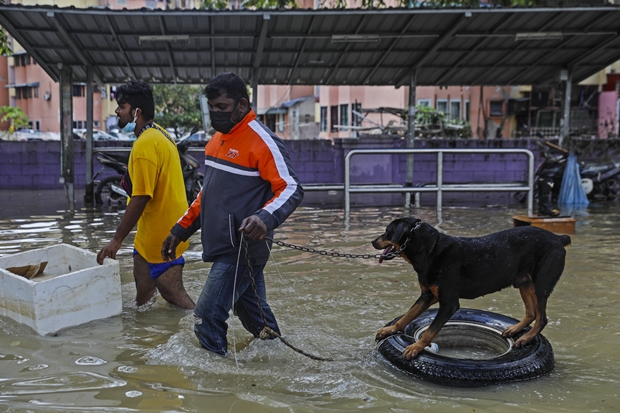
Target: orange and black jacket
pixel 247 172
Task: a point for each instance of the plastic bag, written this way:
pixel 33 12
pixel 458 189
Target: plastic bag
pixel 571 191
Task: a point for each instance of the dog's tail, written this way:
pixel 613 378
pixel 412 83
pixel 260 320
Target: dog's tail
pixel 565 240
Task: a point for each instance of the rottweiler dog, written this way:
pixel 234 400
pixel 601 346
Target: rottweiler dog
pixel 450 268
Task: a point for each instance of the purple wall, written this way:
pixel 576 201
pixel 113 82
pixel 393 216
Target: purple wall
pixel 36 165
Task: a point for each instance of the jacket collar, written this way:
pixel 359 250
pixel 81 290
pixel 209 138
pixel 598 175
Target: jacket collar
pixel 243 123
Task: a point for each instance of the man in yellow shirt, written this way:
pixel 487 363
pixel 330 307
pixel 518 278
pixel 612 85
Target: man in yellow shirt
pixel 157 198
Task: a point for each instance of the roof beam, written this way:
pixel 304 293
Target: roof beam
pixel 301 51
pixel 26 45
pixel 162 28
pixel 579 49
pixel 388 51
pixel 64 35
pixel 442 39
pixel 591 23
pixel 261 41
pixel 346 49
pixel 120 47
pixel 519 46
pixel 600 46
pixel 355 67
pixel 478 44
pixel 212 32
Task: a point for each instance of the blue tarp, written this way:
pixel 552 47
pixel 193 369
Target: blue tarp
pixel 571 191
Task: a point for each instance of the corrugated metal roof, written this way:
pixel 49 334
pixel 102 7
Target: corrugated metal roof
pixel 486 46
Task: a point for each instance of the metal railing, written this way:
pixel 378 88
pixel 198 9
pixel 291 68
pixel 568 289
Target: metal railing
pixel 439 186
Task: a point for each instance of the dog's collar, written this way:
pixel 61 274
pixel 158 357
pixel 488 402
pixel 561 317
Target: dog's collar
pixel 396 253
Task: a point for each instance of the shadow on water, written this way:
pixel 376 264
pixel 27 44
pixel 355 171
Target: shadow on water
pixel 148 360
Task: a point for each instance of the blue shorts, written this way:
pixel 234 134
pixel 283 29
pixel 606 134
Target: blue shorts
pixel 156 270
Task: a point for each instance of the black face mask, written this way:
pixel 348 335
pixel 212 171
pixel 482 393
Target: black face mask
pixel 222 121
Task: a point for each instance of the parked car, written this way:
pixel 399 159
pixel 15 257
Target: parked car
pixel 122 136
pixel 99 135
pixel 199 138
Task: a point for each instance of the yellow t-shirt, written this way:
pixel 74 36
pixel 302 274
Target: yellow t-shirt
pixel 155 171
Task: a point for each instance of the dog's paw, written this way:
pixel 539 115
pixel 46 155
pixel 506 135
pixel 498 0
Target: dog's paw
pixel 386 332
pixel 412 351
pixel 511 331
pixel 523 341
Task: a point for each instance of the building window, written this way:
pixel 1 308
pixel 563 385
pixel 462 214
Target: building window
pixel 36 91
pixel 424 103
pixel 323 124
pixel 442 106
pixel 455 110
pixel 38 124
pixel 25 92
pixel 356 114
pixel 121 2
pixel 78 90
pixel 497 108
pixel 270 121
pixel 344 116
pixel 333 118
pixel 280 122
pixel 22 60
pixel 466 111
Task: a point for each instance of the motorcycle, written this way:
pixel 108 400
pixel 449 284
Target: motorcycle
pixel 191 175
pixel 112 192
pixel 109 188
pixel 599 181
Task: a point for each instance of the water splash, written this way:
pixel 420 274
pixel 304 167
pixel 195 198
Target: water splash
pixel 90 361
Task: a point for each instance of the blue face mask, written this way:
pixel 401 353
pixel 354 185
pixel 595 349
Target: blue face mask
pixel 131 126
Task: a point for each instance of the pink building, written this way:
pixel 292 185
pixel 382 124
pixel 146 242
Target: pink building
pixel 32 90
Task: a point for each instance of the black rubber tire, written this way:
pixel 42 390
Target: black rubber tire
pixel 517 364
pixel 103 190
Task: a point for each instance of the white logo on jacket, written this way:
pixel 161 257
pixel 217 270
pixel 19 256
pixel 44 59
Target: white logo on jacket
pixel 232 153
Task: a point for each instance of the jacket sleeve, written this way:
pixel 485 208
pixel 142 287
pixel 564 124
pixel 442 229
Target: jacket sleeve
pixel 190 222
pixel 275 167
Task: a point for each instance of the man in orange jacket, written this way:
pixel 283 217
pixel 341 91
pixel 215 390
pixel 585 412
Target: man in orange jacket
pixel 249 190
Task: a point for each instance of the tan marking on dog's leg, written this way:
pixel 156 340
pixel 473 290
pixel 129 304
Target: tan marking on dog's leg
pixel 421 305
pixel 541 322
pixel 416 348
pixel 529 299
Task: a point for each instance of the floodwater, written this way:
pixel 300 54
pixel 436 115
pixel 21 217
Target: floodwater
pixel 148 359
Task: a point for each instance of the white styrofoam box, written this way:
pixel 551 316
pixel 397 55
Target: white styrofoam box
pixel 73 289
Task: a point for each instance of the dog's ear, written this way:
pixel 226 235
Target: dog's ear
pixel 403 229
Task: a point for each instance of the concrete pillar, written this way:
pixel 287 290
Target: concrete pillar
pixel 255 90
pixel 565 132
pixel 89 198
pixel 411 134
pixel 66 134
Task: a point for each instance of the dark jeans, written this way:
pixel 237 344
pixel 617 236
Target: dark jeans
pixel 216 300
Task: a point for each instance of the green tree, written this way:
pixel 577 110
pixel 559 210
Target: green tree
pixel 16 116
pixel 178 107
pixel 5 48
pixel 253 4
pixel 214 4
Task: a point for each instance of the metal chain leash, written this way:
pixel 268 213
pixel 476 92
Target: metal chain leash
pixel 393 254
pixel 267 331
